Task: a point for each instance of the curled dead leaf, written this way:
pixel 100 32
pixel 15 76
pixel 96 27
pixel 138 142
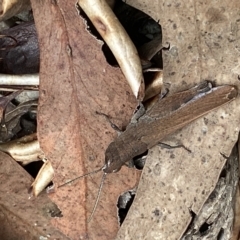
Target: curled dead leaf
pixel 148 50
pixel 44 177
pixel 154 87
pixel 10 8
pixel 118 41
pixel 4 101
pixel 24 150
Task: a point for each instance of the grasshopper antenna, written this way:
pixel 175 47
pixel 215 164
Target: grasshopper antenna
pixel 99 191
pixel 85 175
pixel 98 196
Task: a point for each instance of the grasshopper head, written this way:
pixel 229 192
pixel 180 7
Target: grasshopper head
pixel 112 160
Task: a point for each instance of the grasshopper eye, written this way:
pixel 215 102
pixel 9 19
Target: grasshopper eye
pixel 111 166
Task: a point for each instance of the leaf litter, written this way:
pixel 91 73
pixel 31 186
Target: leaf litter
pixel 76 90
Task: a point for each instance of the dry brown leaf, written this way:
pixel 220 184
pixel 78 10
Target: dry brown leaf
pixel 203 41
pixel 236 226
pixel 23 217
pixel 19 50
pixel 76 81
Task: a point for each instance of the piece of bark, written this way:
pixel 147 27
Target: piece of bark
pixel 236 222
pixel 215 220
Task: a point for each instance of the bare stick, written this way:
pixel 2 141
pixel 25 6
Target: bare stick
pixel 26 79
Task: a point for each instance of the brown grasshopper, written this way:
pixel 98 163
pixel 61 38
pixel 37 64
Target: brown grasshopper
pixel 165 117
